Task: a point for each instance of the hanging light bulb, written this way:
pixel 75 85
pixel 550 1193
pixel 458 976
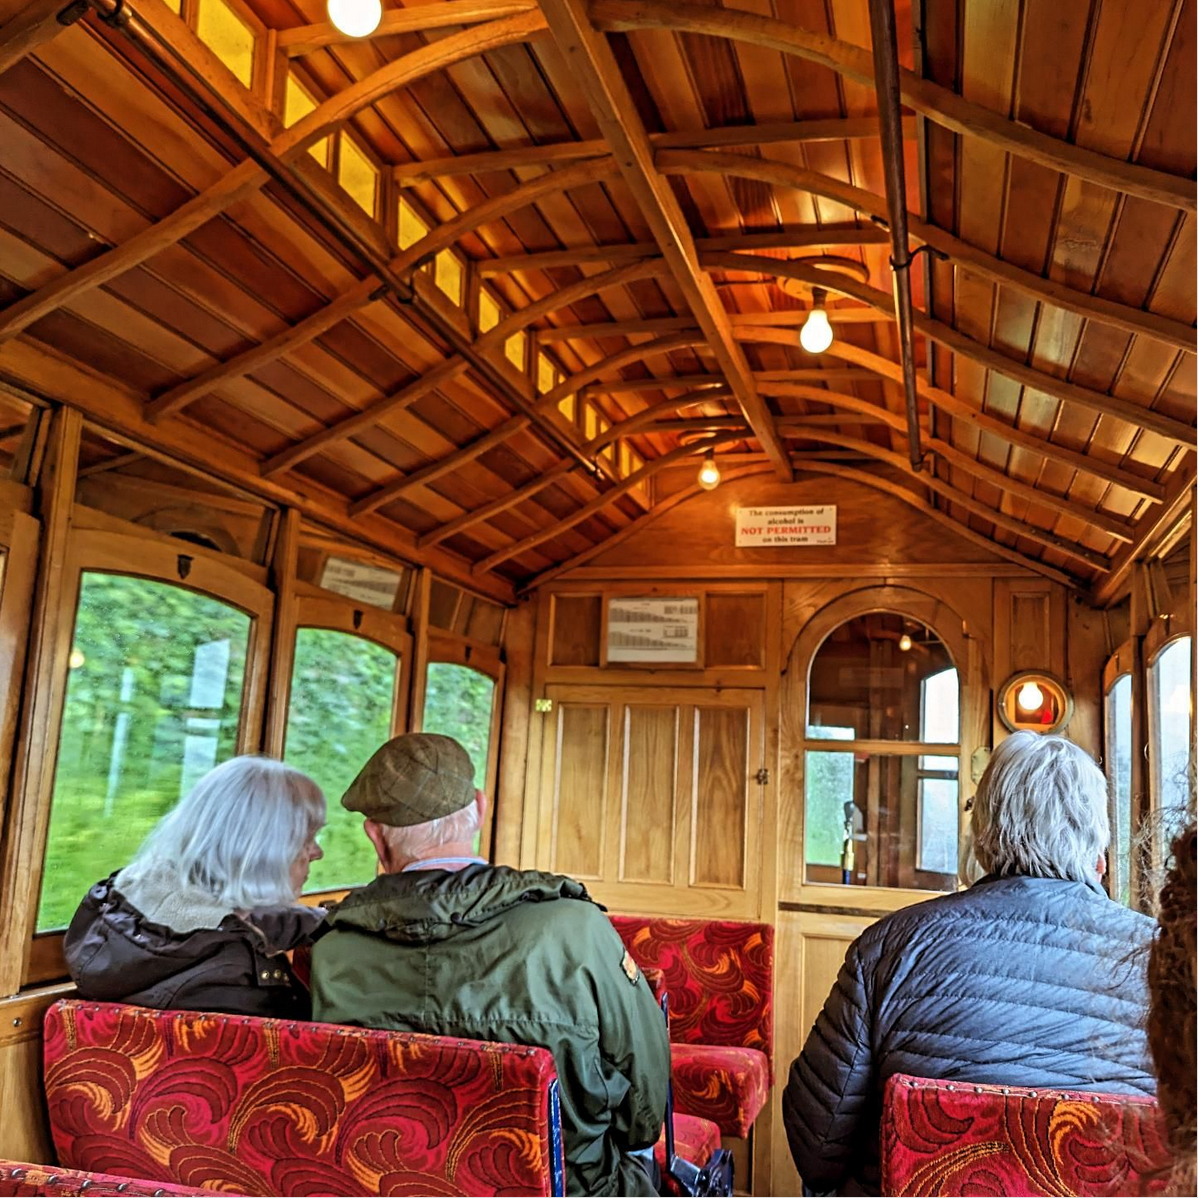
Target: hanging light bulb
pixel 905 643
pixel 709 473
pixel 1030 697
pixel 816 334
pixel 356 18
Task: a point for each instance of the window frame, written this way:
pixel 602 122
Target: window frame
pixel 1122 664
pixel 451 649
pixel 96 546
pixel 1155 647
pixel 318 608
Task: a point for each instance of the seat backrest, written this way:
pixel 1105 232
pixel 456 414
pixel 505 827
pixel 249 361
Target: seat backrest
pixel 19 1181
pixel 264 1106
pixel 956 1138
pixel 719 973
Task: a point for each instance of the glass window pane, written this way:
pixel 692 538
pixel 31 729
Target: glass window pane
pixel 411 226
pixel 297 103
pixel 488 311
pixel 515 349
pixel 358 176
pixel 228 36
pixel 458 703
pixel 1172 737
pixel 879 820
pixel 870 675
pixel 153 703
pixel 546 374
pixel 1118 772
pixel 449 275
pixel 342 698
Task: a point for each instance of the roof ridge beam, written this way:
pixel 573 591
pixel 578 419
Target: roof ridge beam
pixel 594 66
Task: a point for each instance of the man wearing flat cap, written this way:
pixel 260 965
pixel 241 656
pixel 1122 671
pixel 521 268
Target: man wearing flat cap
pixel 443 942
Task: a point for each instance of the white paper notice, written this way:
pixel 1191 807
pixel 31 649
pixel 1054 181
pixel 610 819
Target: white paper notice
pixel 653 630
pixel 358 580
pixel 786 525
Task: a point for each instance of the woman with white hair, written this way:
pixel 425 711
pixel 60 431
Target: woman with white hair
pixel 1030 977
pixel 203 916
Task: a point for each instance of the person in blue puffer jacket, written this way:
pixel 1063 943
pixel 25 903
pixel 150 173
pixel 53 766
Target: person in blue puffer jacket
pixel 1032 976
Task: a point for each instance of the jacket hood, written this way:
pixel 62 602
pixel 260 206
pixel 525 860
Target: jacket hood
pixel 426 906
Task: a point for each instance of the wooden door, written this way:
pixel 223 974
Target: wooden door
pixel 653 797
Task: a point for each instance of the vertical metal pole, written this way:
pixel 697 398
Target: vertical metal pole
pixel 886 79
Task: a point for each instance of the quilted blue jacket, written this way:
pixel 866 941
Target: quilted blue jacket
pixel 1016 981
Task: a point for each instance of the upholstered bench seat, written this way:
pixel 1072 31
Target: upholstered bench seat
pixel 695 1139
pixel 25 1181
pixel 727 1085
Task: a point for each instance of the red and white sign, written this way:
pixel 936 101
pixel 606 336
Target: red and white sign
pixel 786 525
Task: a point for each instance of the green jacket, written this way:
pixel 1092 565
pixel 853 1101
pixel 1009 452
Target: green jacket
pixel 491 953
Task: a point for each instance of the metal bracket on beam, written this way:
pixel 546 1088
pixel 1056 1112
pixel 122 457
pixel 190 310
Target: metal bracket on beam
pixel 73 12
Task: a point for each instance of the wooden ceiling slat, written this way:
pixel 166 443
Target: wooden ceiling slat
pixel 25 30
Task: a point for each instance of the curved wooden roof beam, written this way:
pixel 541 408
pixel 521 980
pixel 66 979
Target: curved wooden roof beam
pixel 601 501
pixel 1081 303
pixel 247 177
pixel 362 293
pixel 453 366
pixel 938 104
pixel 509 428
pixel 950 338
pixel 769 133
pixel 512 499
pixel 416 18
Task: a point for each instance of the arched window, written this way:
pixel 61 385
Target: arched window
pixel 1118 771
pixel 881 804
pixel 459 702
pixel 1170 723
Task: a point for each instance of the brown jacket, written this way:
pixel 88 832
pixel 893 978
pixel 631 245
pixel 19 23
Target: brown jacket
pixel 234 966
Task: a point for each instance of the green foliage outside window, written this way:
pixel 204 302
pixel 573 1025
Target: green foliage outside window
pixel 457 703
pixel 153 703
pixel 342 695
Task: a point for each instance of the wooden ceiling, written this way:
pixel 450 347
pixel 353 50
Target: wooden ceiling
pixel 643 186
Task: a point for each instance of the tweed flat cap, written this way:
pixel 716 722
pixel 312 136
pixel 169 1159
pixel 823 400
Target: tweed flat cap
pixel 413 779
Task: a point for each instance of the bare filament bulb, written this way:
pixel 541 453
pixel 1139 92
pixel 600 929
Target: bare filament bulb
pixel 356 18
pixel 709 473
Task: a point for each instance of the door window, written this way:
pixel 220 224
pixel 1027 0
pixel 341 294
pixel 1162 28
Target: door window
pixel 1172 734
pixel 1118 772
pixel 458 702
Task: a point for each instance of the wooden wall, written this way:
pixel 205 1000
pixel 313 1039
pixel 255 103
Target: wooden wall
pixel 765 612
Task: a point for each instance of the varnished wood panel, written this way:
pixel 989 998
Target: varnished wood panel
pixel 579 782
pixel 577 622
pixel 734 634
pixel 649 786
pixel 724 794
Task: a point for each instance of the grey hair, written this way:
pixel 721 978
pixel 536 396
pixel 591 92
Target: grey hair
pixel 237 832
pixel 1040 810
pixel 418 840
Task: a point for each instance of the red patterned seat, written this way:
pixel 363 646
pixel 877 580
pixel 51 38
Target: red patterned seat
pixel 720 977
pixel 695 1139
pixel 17 1181
pixel 257 1106
pixel 957 1138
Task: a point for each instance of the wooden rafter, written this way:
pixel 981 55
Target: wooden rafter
pixel 360 294
pixel 414 18
pixel 959 343
pixel 836 129
pixel 465 454
pixel 814 375
pixel 505 502
pixel 1080 303
pixel 822 235
pixel 937 103
pixel 37 22
pixel 590 58
pixel 452 367
pixel 601 501
pixel 661 324
pixel 248 176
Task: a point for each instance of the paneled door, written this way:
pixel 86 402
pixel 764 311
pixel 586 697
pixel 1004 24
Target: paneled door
pixel 653 797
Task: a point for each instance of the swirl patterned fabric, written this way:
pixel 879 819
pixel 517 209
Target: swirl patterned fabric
pixel 18 1180
pixel 259 1106
pixel 695 1140
pixel 957 1138
pixel 720 977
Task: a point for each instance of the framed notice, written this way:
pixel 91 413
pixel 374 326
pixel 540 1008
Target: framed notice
pixel 661 630
pixel 360 581
pixel 786 525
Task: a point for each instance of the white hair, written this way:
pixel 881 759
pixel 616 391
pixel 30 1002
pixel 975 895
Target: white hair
pixel 418 840
pixel 237 832
pixel 1040 810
